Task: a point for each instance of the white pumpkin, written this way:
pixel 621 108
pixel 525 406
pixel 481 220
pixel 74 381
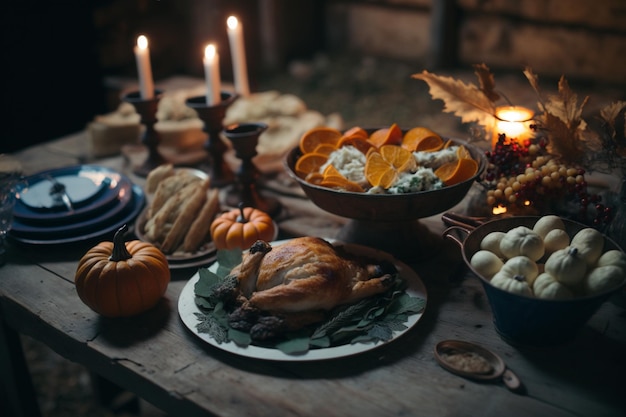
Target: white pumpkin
pixel 521 266
pixel 486 263
pixel 491 242
pixel 547 287
pixel 590 244
pixel 567 266
pixel 613 257
pixel 603 278
pixel 555 239
pixel 522 241
pixel 516 284
pixel 547 223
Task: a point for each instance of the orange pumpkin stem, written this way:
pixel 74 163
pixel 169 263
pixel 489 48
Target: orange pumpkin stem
pixel 119 252
pixel 242 217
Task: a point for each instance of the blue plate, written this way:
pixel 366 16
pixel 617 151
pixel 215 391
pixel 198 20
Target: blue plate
pixel 91 189
pixel 99 228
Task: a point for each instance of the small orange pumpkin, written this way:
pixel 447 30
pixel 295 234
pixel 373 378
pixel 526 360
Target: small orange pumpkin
pixel 241 227
pixel 122 279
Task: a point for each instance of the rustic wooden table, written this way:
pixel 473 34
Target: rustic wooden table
pixel 155 356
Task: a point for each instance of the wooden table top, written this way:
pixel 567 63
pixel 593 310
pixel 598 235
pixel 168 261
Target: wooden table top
pixel 158 358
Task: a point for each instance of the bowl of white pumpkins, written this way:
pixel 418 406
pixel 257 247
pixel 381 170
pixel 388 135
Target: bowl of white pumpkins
pixel 544 276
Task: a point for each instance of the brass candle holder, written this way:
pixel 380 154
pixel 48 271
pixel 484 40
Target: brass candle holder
pixel 213 117
pixel 147 110
pixel 245 138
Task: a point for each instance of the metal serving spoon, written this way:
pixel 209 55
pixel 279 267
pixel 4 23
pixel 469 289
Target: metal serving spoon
pixel 493 368
pixel 58 192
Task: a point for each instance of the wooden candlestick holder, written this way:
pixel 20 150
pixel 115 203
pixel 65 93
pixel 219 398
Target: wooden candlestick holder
pixel 147 110
pixel 245 138
pixel 213 116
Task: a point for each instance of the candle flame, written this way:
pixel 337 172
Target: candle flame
pixel 142 42
pixel 499 210
pixel 210 51
pixel 514 114
pixel 514 122
pixel 232 22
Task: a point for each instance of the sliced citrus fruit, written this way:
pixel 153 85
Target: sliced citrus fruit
pixel 356 131
pixel 463 152
pixel 378 172
pixel 457 171
pixel 429 144
pixel 318 135
pixel 386 136
pixel 358 142
pixel 414 136
pixel 325 149
pixel 400 158
pixel 309 163
pixel 421 139
pixel 330 171
pixel 314 178
pixel 341 183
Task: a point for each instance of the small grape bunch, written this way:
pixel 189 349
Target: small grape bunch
pixel 526 176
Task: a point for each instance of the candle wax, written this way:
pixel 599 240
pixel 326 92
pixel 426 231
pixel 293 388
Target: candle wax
pixel 144 69
pixel 212 75
pixel 238 53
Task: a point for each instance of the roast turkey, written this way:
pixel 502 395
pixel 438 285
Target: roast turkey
pixel 296 283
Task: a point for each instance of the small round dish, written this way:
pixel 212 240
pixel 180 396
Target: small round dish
pixel 473 361
pixel 90 188
pixel 80 226
pixel 106 231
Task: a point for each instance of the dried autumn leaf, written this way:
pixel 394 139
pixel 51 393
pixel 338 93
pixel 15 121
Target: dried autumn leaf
pixel 533 79
pixel 466 101
pixel 565 106
pixel 562 121
pixel 611 111
pixel 486 81
pixel 614 118
pixel 564 140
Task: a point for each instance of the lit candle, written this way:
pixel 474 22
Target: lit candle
pixel 238 53
pixel 514 122
pixel 212 75
pixel 142 55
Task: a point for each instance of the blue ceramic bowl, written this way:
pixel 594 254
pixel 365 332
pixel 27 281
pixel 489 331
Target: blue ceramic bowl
pixel 530 321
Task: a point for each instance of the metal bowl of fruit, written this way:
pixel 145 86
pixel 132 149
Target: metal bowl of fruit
pixel 380 218
pixel 547 300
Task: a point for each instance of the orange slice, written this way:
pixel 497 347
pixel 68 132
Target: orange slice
pixel 356 131
pixel 400 158
pixel 314 178
pixel 463 152
pixel 312 138
pixel 387 136
pixel 309 163
pixel 457 171
pixel 379 172
pixel 330 171
pixel 325 149
pixel 413 137
pixel 358 142
pixel 341 183
pixel 420 139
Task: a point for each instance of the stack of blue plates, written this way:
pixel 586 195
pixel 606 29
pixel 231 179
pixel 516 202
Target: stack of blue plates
pixel 74 204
